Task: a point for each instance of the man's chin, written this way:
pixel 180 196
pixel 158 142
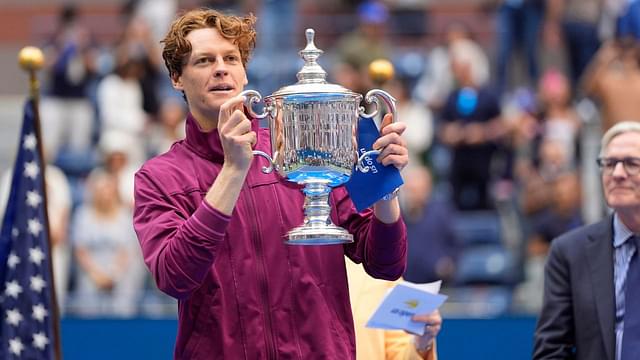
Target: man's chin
pixel 620 202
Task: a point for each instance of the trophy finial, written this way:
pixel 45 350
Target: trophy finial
pixel 311 72
pixel 310 34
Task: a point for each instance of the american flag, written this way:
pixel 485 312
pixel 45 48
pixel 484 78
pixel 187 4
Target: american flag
pixel 25 277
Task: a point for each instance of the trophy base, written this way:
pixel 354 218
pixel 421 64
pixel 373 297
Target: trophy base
pixel 325 235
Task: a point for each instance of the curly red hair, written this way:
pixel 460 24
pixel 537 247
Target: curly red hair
pixel 239 30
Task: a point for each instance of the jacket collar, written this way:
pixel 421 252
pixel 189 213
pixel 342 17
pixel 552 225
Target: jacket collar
pixel 207 144
pixel 600 260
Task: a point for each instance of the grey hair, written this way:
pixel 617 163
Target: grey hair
pixel 618 129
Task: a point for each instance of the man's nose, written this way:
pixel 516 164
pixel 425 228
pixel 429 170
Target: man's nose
pixel 619 170
pixel 220 69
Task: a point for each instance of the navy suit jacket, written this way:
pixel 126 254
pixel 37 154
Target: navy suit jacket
pixel 578 316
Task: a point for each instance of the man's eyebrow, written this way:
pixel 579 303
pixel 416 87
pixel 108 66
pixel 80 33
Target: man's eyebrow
pixel 208 52
pixel 232 51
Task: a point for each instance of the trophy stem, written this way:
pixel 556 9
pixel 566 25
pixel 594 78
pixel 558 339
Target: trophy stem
pixel 317 228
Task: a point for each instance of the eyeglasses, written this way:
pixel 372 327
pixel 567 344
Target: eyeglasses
pixel 608 165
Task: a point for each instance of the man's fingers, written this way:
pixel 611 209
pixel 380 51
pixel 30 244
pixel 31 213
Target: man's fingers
pixel 386 120
pixel 399 161
pixel 236 124
pixel 432 318
pixel 248 138
pixel 392 138
pixel 396 127
pixel 392 149
pixel 229 106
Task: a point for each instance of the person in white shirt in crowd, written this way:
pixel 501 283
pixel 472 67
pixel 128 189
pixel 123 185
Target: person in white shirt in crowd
pixel 120 103
pixel 114 148
pixel 110 276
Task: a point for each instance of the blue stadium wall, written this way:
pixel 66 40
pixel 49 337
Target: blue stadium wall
pixel 508 338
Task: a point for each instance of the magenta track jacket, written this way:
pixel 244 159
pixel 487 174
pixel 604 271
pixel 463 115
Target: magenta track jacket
pixel 242 292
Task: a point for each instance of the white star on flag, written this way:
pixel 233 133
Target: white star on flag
pixel 15 232
pixel 40 340
pixel 39 312
pixel 37 283
pixel 14 317
pixel 34 226
pixel 36 255
pixel 15 346
pixel 33 199
pixel 13 289
pixel 31 169
pixel 13 261
pixel 30 142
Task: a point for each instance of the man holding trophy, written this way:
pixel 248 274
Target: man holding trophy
pixel 212 221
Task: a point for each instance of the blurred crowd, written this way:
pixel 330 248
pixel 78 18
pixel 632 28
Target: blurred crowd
pixel 500 132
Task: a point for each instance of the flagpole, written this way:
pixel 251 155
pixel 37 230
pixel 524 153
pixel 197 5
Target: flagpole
pixel 31 60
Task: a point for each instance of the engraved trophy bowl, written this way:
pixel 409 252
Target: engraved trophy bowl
pixel 313 128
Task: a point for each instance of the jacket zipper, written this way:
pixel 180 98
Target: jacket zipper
pixel 262 280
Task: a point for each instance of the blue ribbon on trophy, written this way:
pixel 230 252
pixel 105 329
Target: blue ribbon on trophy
pixel 366 188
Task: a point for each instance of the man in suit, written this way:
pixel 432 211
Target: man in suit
pixel 592 277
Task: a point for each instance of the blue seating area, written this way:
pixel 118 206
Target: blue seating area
pixel 486 264
pixel 478 227
pixel 486 269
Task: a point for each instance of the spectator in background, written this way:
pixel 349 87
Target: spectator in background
pixel 471 127
pixel 550 201
pixel 551 195
pixel 158 14
pixel 559 120
pixel 550 120
pixel 110 276
pixel 433 245
pixel 436 83
pixel 67 114
pixel 368 42
pixel 170 127
pixel 628 21
pixel 518 25
pixel 120 103
pixel 114 147
pixel 365 294
pixel 138 45
pixel 277 42
pixel 592 276
pixel 574 24
pixel 613 79
pixel 417 116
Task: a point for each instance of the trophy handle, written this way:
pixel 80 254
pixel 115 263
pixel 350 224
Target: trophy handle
pixel 253 97
pixel 374 96
pixel 265 169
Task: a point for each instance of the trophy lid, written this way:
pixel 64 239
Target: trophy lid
pixel 312 77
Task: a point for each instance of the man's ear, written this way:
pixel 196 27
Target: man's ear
pixel 176 81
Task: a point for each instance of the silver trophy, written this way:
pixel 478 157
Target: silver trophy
pixel 313 141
